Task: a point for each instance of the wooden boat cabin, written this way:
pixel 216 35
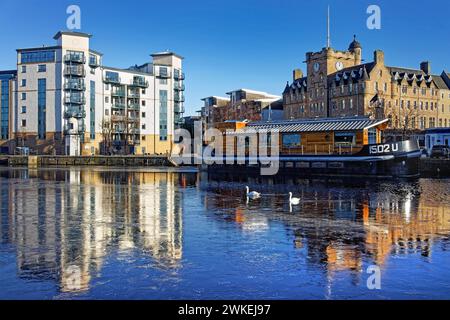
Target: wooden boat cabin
pixel 331 136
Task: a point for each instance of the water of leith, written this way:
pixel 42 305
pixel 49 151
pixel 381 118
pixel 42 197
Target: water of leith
pixel 141 234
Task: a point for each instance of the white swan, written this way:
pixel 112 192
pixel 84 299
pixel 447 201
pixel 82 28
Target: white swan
pixel 252 195
pixel 293 201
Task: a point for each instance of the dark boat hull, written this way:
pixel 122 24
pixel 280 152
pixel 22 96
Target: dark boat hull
pixel 399 159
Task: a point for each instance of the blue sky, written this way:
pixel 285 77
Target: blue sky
pixel 233 44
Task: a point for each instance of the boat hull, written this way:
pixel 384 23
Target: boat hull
pixel 399 159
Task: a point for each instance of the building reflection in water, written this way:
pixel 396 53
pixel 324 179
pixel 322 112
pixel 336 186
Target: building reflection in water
pixel 64 223
pixel 344 225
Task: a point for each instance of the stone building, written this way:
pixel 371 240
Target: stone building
pixel 338 84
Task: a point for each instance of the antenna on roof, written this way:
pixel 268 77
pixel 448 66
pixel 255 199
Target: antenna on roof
pixel 328 29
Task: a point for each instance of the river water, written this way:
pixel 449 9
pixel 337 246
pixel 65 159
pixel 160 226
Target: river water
pixel 150 234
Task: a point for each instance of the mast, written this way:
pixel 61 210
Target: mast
pixel 328 29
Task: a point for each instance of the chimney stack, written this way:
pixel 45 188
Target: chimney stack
pixel 378 57
pixel 426 67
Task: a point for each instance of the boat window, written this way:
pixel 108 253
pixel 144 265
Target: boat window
pixel 292 140
pixel 344 138
pixel 372 136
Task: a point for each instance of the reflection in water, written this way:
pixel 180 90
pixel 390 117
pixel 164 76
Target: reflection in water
pixel 63 223
pixel 74 227
pixel 340 226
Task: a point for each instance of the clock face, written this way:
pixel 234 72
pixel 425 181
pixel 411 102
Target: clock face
pixel 339 65
pixel 316 67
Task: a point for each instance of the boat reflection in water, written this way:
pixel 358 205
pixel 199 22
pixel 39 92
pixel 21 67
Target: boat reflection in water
pixel 64 223
pixel 113 233
pixel 345 225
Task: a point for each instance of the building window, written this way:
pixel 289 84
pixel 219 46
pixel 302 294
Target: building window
pixel 163 115
pixel 24 96
pixel 143 91
pixel 292 140
pixel 143 126
pixel 92 109
pixel 24 123
pixel 24 69
pixel 162 81
pixel 143 114
pixel 106 112
pixel 42 68
pixel 106 87
pixel 42 101
pixel 38 56
pixel 24 83
pixel 24 109
pixel 106 99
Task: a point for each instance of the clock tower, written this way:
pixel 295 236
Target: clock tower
pixel 322 64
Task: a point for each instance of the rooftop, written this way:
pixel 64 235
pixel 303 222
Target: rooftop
pixel 71 33
pixel 318 125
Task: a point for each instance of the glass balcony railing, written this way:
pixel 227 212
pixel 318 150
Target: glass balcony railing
pixel 94 63
pixel 74 113
pixel 140 82
pixel 178 108
pixel 113 80
pixel 179 98
pixel 118 93
pixel 76 86
pixel 178 76
pixel 134 131
pixel 134 106
pixel 76 72
pixel 118 105
pixel 75 100
pixel 179 87
pixel 133 94
pixel 75 58
pixel 118 117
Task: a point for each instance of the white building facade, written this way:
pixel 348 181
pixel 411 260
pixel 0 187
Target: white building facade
pixel 68 103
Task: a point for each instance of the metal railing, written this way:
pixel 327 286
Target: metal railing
pixel 75 58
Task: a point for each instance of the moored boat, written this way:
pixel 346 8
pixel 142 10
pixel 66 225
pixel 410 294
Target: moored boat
pixel 343 146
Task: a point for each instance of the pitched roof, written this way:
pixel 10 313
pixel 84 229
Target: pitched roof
pixel 440 83
pixel 317 125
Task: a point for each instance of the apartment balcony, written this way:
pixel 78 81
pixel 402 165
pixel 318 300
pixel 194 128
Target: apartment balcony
pixel 179 87
pixel 164 75
pixel 179 98
pixel 178 108
pixel 118 93
pixel 69 130
pixel 133 117
pixel 138 82
pixel 133 95
pixel 74 113
pixel 74 72
pixel 94 63
pixel 118 118
pixel 118 105
pixel 75 100
pixel 134 131
pixel 134 106
pixel 75 86
pixel 112 80
pixel 179 76
pixel 75 58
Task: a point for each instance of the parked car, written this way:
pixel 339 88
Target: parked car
pixel 440 151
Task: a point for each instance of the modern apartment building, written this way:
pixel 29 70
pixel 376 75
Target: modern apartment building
pixel 7 89
pixel 68 102
pixel 338 84
pixel 242 104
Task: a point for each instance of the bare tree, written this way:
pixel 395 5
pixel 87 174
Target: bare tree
pixel 106 129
